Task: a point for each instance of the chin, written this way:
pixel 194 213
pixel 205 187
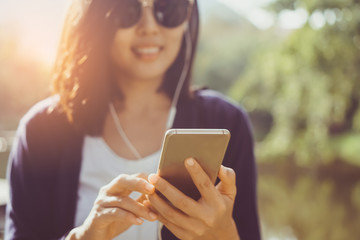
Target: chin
pixel 150 71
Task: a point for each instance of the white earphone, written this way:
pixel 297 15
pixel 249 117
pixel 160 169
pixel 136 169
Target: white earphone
pixel 188 50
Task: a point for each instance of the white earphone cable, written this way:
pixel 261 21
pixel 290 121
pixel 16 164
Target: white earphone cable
pixel 121 131
pixel 172 111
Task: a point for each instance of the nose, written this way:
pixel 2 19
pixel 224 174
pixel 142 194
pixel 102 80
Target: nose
pixel 147 24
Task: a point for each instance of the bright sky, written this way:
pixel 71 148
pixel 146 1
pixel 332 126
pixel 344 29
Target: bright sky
pixel 39 22
pixel 252 11
pixel 244 7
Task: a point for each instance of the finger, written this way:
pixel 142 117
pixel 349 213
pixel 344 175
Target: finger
pixel 141 198
pixel 147 203
pixel 176 230
pixel 117 214
pixel 175 196
pixel 125 184
pixel 140 175
pixel 172 215
pixel 202 181
pixel 129 205
pixel 227 184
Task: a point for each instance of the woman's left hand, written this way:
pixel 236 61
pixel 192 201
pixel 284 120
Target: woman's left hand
pixel 208 218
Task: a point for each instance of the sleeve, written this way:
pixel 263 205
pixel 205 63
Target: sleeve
pixel 32 177
pixel 240 157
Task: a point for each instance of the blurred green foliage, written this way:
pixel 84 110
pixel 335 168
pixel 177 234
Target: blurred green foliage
pixel 224 49
pixel 306 90
pixel 306 209
pixel 309 84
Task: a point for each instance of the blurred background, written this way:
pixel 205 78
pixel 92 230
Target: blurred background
pixel 294 65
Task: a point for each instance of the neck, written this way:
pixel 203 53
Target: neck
pixel 142 95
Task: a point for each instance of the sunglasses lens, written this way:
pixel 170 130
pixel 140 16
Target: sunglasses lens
pixel 171 13
pixel 127 13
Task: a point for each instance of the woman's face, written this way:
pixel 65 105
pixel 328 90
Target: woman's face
pixel 146 50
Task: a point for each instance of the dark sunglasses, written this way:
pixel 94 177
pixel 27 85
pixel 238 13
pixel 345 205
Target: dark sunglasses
pixel 168 13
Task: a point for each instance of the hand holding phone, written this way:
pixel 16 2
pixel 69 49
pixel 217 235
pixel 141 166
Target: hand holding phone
pixel 210 218
pixel 207 146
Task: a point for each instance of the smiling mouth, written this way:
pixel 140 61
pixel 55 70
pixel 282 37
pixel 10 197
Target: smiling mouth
pixel 147 53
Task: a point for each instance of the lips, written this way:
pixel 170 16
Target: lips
pixel 147 53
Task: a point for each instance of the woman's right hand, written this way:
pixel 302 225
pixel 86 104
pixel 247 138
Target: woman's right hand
pixel 114 211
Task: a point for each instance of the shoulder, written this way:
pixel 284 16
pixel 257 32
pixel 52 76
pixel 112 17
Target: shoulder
pixel 218 111
pixel 216 101
pixel 219 107
pixel 41 112
pixel 43 129
pixel 208 96
pixel 44 117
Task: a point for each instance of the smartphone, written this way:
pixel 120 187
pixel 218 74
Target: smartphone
pixel 206 146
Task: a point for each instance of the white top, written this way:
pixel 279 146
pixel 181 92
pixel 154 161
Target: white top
pixel 100 165
pixel 4 192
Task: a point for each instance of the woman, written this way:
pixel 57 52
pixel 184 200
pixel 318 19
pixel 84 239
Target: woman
pixel 122 77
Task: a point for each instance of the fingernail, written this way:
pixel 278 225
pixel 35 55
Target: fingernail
pixel 139 220
pixel 153 215
pixel 149 187
pixel 190 162
pixel 153 178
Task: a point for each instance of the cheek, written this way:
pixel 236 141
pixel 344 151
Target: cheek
pixel 119 46
pixel 115 52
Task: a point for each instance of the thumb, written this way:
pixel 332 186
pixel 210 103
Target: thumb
pixel 227 184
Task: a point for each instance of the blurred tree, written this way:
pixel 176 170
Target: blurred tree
pixel 309 84
pixel 227 41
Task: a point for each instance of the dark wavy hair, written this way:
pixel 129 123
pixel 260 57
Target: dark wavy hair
pixel 83 78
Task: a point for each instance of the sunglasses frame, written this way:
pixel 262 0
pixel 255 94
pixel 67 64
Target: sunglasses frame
pixel 150 3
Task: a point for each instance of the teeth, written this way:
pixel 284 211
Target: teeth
pixel 148 50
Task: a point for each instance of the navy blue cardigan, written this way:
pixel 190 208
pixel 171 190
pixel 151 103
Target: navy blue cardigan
pixel 46 158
